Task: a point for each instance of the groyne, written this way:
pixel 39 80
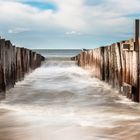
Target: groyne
pixel 117 64
pixel 15 62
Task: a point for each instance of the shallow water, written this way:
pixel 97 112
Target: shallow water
pixel 61 101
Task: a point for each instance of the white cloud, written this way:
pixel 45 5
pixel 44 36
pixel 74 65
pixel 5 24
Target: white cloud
pixel 18 30
pixel 73 33
pixel 71 15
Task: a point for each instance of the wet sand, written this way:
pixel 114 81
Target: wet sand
pixel 15 127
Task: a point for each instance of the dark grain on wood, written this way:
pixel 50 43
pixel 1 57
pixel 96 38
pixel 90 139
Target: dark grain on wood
pixel 15 62
pixel 115 65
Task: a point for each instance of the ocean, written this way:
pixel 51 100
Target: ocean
pixel 62 101
pixel 56 53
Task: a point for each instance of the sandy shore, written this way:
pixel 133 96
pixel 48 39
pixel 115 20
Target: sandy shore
pixel 11 128
pixel 16 127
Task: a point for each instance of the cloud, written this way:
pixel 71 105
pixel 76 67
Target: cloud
pixel 18 30
pixel 73 33
pixel 81 15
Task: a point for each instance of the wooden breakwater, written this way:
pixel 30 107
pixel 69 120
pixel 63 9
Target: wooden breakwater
pixel 15 62
pixel 117 64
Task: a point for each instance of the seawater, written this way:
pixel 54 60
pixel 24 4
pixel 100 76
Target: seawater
pixel 61 101
pixel 58 53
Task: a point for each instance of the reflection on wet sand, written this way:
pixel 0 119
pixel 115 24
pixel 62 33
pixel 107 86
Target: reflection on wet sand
pixel 13 128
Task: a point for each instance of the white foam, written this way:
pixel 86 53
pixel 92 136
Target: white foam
pixel 63 93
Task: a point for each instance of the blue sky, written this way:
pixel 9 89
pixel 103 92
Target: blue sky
pixel 42 5
pixel 67 24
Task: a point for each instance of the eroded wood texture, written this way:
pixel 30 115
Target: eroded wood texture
pixel 15 62
pixel 114 64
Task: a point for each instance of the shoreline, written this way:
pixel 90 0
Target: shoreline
pixel 14 126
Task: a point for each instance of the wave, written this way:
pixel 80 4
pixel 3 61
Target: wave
pixel 61 93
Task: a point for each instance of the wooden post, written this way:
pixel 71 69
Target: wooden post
pixel 137 48
pixel 137 94
pixel 137 35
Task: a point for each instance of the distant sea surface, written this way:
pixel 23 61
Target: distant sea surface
pixel 57 53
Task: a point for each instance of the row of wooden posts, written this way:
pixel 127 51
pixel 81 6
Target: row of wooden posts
pixel 15 62
pixel 117 64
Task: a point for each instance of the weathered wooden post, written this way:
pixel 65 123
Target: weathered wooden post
pixel 137 48
pixel 137 35
pixel 102 65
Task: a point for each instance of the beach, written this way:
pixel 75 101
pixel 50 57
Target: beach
pixel 61 101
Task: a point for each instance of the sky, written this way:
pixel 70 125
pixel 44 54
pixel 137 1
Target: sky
pixel 67 24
